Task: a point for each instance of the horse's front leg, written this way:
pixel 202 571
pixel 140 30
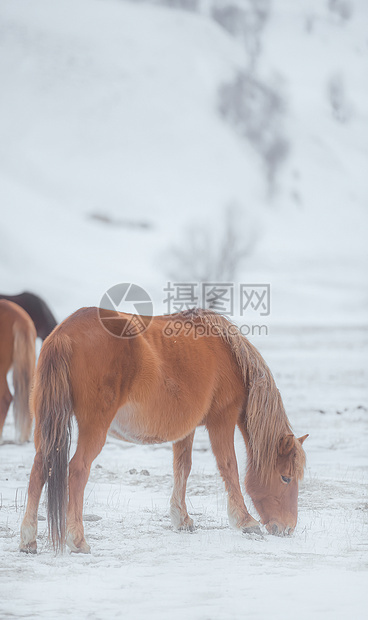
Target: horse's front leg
pixel 182 451
pixel 222 443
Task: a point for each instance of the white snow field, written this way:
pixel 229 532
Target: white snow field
pixel 112 144
pixel 139 566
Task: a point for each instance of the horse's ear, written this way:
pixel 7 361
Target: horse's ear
pixel 302 439
pixel 286 445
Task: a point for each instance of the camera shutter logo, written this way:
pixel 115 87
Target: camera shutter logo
pixel 130 299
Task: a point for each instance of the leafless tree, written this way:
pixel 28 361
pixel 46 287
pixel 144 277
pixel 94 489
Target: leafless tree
pixel 206 255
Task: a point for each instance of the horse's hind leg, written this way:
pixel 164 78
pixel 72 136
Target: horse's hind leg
pixel 28 530
pixel 182 465
pixel 221 434
pixel 90 443
pixel 5 400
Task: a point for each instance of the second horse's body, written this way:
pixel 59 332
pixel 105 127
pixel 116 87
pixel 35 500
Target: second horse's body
pixel 17 351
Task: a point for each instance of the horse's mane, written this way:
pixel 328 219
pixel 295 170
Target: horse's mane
pixel 265 419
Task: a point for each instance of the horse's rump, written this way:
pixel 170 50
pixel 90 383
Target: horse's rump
pixel 18 335
pixel 37 309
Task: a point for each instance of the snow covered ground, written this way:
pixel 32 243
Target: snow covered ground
pixel 111 108
pixel 139 566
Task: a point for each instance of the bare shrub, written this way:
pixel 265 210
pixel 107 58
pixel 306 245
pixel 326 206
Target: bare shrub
pixel 336 92
pixel 344 9
pixel 186 5
pixel 244 20
pixel 256 111
pixel 205 255
pixel 254 108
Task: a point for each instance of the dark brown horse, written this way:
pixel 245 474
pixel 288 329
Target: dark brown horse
pixel 17 350
pixel 153 387
pixel 37 309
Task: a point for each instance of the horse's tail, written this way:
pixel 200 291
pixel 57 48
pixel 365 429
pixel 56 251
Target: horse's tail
pixel 24 357
pixel 53 407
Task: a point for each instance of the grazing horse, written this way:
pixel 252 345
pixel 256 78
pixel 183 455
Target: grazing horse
pixel 37 309
pixel 17 349
pixel 155 387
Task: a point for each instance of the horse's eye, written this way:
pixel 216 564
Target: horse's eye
pixel 286 479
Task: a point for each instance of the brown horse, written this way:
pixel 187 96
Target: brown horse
pixel 158 386
pixel 37 309
pixel 17 349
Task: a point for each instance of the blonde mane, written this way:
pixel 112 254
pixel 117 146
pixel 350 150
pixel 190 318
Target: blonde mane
pixel 266 422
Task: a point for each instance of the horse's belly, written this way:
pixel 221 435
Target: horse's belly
pixel 129 425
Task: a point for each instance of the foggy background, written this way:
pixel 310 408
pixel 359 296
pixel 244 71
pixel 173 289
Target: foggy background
pixel 154 141
pixel 195 141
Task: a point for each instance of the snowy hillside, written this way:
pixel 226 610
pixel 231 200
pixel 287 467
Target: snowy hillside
pixel 124 124
pixel 113 109
pixel 114 114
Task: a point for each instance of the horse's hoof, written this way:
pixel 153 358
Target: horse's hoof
pixel 187 525
pixel 252 527
pixel 30 548
pixel 82 548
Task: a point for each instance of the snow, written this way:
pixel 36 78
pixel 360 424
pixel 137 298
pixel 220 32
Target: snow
pixel 139 565
pixel 111 108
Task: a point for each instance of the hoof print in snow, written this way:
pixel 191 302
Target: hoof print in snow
pixel 91 518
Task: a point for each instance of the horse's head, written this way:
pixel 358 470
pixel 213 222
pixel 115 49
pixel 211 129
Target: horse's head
pixel 275 495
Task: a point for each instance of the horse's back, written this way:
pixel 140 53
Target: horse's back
pixel 159 387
